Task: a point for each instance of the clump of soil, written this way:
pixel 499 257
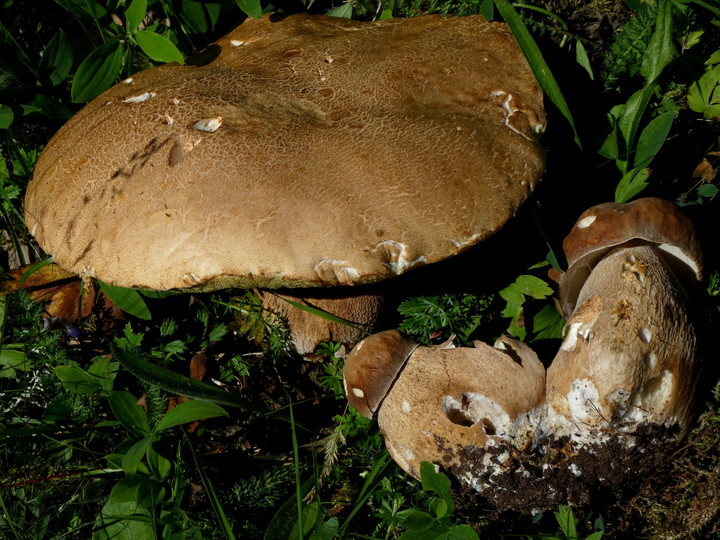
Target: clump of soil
pixel 555 472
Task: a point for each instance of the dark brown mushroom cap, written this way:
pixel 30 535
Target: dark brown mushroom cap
pixel 306 151
pixel 372 366
pixel 605 227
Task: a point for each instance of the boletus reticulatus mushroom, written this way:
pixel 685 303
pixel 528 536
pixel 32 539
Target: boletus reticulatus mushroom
pixel 298 152
pixel 617 397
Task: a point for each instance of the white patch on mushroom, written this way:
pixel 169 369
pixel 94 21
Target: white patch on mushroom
pixel 128 80
pixel 169 120
pixel 357 392
pixel 586 222
pixel 650 360
pixel 650 402
pixel 236 42
pixel 191 277
pixel 335 271
pixel 476 409
pixel 461 244
pixel 329 59
pixel 405 407
pixel 140 97
pixel 208 124
pixel 677 252
pixel 508 111
pixel 645 335
pixel 583 399
pixel 570 340
pixel 175 101
pixel 396 253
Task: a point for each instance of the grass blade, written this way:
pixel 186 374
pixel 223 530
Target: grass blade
pixel 537 63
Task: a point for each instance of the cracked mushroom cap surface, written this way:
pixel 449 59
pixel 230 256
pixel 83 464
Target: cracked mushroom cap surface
pixel 604 227
pixel 445 400
pixel 295 152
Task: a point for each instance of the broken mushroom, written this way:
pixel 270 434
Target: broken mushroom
pixel 295 152
pixel 432 402
pixel 629 357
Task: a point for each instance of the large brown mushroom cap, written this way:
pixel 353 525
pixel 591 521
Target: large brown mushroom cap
pixel 310 151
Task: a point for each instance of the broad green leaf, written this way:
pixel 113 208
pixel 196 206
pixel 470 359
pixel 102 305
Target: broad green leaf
pixel 189 411
pixel 526 285
pixel 129 300
pixel 537 63
pixel 57 59
pixel 158 463
pixel 438 483
pixel 125 408
pixel 80 381
pixel 6 116
pixel 629 121
pixel 439 507
pixel 134 15
pixel 84 8
pixel 548 324
pixel 704 94
pixel 344 10
pixel 660 51
pixel 418 521
pixel 250 7
pixel 126 489
pixel 133 457
pixel 487 9
pixel 595 536
pixel 462 532
pixel 652 138
pixel 97 72
pixel 158 48
pixel 708 190
pixel 12 359
pixel 631 184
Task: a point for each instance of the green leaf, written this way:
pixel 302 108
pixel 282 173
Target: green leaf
pixel 97 72
pixel 12 359
pixel 126 489
pixel 129 300
pixel 462 532
pixel 6 116
pixel 134 15
pixel 418 521
pixel 439 507
pixel 250 7
pixel 344 10
pixel 189 411
pixel 57 59
pixel 158 463
pixel 158 48
pixel 179 384
pixel 133 457
pixel 438 483
pixel 80 381
pixel 526 285
pixel 660 51
pixel 537 63
pixel 708 190
pixel 629 121
pixel 595 536
pixel 581 58
pixel 548 324
pixel 567 521
pixel 652 138
pixel 133 417
pixel 631 184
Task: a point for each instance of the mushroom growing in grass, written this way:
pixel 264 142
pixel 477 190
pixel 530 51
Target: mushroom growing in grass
pixel 618 396
pixel 433 402
pixel 629 357
pixel 299 152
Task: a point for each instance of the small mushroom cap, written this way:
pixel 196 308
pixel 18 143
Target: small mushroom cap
pixel 650 220
pixel 447 399
pixel 372 367
pixel 295 152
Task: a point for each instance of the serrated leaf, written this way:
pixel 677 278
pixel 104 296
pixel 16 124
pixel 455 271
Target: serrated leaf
pixel 548 324
pixel 129 300
pixel 526 285
pixel 250 7
pixel 157 47
pixel 97 72
pixel 189 411
pixel 133 417
pixel 134 15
